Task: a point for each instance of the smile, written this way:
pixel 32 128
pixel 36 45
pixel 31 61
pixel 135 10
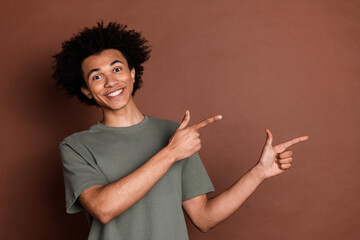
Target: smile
pixel 114 94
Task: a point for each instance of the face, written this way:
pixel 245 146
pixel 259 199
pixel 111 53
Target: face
pixel 108 79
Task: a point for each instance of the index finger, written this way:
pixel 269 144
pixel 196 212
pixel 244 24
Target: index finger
pixel 207 121
pixel 282 146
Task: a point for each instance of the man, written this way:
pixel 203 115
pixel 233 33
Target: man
pixel 132 173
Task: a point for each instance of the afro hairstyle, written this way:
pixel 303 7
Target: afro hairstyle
pixel 67 65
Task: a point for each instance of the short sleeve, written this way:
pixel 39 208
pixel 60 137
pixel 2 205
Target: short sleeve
pixel 80 173
pixel 194 179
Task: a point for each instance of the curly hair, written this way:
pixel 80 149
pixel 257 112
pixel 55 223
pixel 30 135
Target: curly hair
pixel 89 41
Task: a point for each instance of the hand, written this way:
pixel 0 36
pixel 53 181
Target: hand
pixel 275 160
pixel 186 140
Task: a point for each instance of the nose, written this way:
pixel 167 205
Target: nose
pixel 110 81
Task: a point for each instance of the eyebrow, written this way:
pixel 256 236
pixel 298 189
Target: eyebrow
pixel 98 69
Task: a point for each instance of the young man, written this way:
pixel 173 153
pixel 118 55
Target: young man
pixel 132 173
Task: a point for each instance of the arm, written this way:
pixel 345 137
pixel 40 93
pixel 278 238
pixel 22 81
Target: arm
pixel 206 214
pixel 107 202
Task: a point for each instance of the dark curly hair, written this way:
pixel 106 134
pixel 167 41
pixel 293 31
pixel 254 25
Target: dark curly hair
pixel 89 41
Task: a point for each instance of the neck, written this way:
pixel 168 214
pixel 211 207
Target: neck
pixel 125 117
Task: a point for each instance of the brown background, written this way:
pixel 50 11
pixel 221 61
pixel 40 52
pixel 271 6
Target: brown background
pixel 290 66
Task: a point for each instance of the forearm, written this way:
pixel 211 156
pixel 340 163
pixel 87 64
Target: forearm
pixel 110 201
pixel 224 205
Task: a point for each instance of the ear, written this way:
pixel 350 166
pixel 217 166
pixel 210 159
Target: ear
pixel 132 74
pixel 86 92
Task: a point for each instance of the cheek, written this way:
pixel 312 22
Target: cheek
pixel 95 89
pixel 130 88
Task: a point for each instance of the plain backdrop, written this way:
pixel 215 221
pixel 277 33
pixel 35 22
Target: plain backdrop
pixel 288 65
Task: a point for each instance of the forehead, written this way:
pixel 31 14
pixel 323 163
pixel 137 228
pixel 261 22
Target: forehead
pixel 102 59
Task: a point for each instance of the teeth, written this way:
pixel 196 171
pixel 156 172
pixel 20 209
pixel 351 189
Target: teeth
pixel 113 94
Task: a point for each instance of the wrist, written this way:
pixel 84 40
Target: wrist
pixel 169 154
pixel 259 172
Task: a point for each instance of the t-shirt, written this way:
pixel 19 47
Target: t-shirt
pixel 103 154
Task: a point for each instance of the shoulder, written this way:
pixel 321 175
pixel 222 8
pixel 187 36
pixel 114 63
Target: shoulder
pixel 164 123
pixel 78 138
pixel 78 144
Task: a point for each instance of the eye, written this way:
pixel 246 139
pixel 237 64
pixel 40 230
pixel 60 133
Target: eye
pixel 96 77
pixel 117 69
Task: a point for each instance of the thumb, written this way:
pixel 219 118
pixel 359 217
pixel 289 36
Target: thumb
pixel 185 120
pixel 269 138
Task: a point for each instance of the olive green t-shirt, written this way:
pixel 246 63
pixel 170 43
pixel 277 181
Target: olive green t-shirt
pixel 104 154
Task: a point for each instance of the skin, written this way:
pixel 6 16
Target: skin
pixel 108 76
pixel 102 76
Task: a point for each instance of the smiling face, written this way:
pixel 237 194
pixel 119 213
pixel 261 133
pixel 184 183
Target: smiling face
pixel 108 79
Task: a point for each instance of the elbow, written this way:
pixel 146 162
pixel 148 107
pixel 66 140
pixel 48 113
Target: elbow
pixel 99 206
pixel 204 228
pixel 204 224
pixel 103 218
pixel 106 217
pixel 106 213
pixel 103 214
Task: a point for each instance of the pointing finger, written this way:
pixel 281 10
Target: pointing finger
pixel 282 146
pixel 207 121
pixel 185 120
